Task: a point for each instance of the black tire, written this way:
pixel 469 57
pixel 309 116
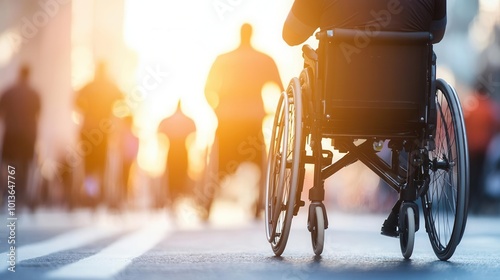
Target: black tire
pixel 445 202
pixel 407 232
pixel 282 176
pixel 318 231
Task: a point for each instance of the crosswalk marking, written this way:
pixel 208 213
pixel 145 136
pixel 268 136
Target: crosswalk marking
pixel 66 241
pixel 112 259
pixel 133 234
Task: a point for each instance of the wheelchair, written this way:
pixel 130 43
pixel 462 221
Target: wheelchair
pixel 360 89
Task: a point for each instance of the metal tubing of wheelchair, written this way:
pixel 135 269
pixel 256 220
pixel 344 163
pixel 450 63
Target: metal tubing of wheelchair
pixel 377 165
pixel 333 168
pixel 395 160
pixel 309 54
pixel 409 192
pixel 317 192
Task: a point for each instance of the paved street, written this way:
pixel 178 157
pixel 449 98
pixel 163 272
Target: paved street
pixel 152 245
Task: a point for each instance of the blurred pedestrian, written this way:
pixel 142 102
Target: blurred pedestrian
pixel 123 146
pixel 177 128
pixel 129 148
pixel 488 77
pixel 479 115
pixel 233 88
pixel 95 101
pixel 20 109
pixel 491 176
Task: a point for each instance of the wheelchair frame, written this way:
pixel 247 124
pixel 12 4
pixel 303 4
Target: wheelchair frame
pixel 433 136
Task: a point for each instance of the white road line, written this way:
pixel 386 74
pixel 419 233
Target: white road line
pixel 65 241
pixel 114 258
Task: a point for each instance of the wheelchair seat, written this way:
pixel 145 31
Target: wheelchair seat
pixel 375 83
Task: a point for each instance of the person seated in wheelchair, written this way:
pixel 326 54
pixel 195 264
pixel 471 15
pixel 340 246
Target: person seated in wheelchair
pixel 306 16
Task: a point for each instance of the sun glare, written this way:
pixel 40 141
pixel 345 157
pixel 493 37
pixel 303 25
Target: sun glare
pixel 183 38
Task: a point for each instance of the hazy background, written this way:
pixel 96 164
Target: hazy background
pixel 62 40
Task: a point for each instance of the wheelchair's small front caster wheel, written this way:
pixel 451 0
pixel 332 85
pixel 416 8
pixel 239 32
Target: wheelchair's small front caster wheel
pixel 407 222
pixel 316 226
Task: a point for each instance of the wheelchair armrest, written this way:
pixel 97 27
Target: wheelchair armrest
pixel 309 53
pixel 391 37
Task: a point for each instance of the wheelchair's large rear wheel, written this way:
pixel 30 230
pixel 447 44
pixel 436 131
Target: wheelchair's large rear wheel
pixel 445 202
pixel 283 167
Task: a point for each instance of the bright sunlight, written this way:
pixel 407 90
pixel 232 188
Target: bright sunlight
pixel 180 40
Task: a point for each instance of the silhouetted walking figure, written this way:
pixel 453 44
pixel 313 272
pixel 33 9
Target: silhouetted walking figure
pixel 95 101
pixel 177 128
pixel 129 147
pixel 19 108
pixel 123 146
pixel 233 89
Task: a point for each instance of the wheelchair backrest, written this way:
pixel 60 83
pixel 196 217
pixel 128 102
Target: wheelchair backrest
pixel 374 80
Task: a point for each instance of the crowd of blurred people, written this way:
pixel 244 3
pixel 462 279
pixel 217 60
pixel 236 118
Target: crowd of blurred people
pixel 109 145
pixel 105 142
